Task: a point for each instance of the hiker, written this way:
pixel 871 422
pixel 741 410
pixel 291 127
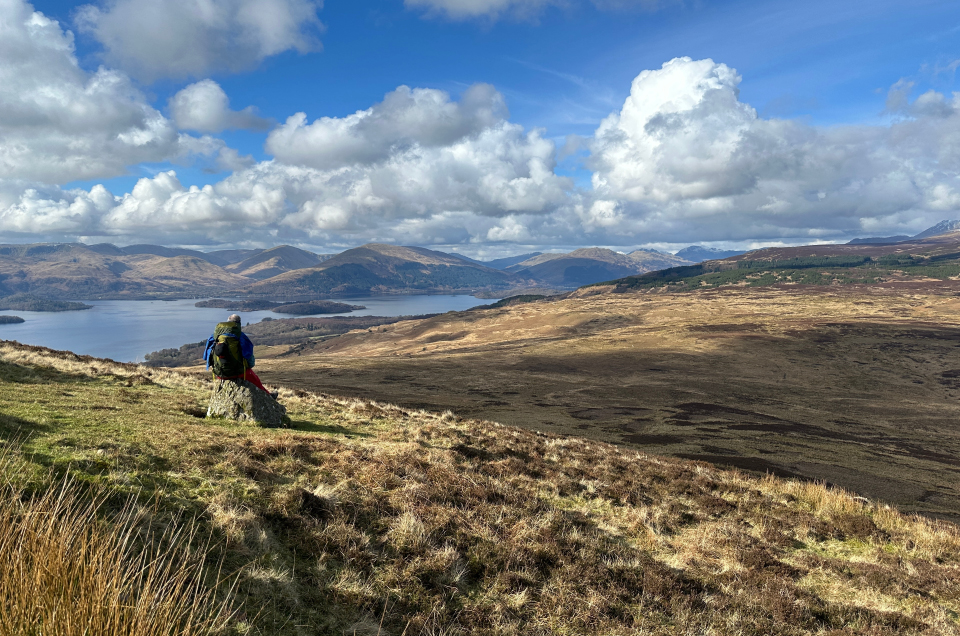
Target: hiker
pixel 230 353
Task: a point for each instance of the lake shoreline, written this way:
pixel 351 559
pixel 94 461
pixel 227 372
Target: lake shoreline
pixel 126 330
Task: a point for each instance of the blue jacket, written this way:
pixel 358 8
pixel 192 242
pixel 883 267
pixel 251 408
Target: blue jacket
pixel 246 349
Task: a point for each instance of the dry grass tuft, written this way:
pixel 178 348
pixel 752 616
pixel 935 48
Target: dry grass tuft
pixel 66 571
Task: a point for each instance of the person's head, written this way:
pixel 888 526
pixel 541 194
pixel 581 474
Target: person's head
pixel 234 318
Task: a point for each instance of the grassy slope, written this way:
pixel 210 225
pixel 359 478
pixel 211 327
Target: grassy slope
pixel 368 514
pixel 934 258
pixel 857 386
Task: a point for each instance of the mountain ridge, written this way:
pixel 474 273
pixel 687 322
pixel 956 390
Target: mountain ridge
pixel 588 265
pixel 381 268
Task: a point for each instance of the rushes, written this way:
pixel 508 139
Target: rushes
pixel 65 571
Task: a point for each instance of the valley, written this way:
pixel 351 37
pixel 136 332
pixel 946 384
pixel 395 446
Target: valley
pixel 854 385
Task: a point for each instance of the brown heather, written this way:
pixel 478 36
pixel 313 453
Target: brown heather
pixel 371 519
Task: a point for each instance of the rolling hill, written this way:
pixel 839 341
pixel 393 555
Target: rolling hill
pixel 73 270
pixel 499 263
pixel 377 269
pixel 913 261
pixel 698 253
pixel 275 261
pixel 590 265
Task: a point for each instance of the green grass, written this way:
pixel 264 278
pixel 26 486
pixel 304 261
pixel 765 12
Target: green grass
pixel 371 519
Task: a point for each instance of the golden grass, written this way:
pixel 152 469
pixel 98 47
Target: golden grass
pixel 859 387
pixel 372 519
pixel 66 570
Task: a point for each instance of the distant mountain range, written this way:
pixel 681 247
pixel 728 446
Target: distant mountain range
pixel 931 261
pixel 698 253
pixel 589 265
pixel 382 269
pixel 79 272
pixel 942 227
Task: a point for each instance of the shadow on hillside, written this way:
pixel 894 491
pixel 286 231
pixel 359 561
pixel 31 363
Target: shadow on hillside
pixel 29 374
pixel 15 430
pixel 871 407
pixel 326 429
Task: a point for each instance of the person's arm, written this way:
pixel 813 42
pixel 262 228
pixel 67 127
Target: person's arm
pixel 246 350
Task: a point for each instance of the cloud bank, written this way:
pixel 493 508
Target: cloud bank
pixel 152 39
pixel 59 123
pixel 684 157
pixel 416 165
pixel 682 161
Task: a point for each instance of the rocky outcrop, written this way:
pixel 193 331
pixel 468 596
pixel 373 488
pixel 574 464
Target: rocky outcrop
pixel 242 401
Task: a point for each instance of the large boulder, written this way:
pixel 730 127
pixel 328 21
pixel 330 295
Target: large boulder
pixel 242 401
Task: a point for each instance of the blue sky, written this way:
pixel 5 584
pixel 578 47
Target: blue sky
pixel 817 75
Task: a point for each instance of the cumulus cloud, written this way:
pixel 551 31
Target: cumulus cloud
pixel 205 107
pixel 424 118
pixel 59 123
pixel 685 159
pixel 152 39
pixel 416 162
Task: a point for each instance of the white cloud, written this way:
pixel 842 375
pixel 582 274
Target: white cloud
pixel 465 9
pixel 50 211
pixel 59 123
pixel 687 160
pixel 683 161
pixel 152 39
pixel 231 160
pixel 522 9
pixel 205 107
pixel 420 117
pixel 417 162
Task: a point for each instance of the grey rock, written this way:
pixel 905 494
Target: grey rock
pixel 242 401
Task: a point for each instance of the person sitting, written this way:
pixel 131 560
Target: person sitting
pixel 230 354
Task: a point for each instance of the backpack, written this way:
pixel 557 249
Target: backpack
pixel 224 354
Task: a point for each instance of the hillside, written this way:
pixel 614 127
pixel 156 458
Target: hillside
pixel 935 258
pixel 499 263
pixel 275 261
pixel 698 253
pixel 854 385
pixel 372 519
pixel 57 271
pixel 226 257
pixel 590 265
pixel 378 269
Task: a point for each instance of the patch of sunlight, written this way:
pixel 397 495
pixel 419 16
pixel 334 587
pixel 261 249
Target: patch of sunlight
pixel 834 589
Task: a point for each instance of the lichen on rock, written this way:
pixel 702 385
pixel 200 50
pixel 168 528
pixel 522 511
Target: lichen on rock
pixel 242 401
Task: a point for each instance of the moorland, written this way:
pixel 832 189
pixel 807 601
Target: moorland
pixel 369 518
pixel 664 453
pixel 854 380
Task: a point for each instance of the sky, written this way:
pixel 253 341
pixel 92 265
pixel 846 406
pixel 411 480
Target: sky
pixel 486 127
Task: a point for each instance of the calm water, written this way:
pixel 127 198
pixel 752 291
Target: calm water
pixel 126 330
